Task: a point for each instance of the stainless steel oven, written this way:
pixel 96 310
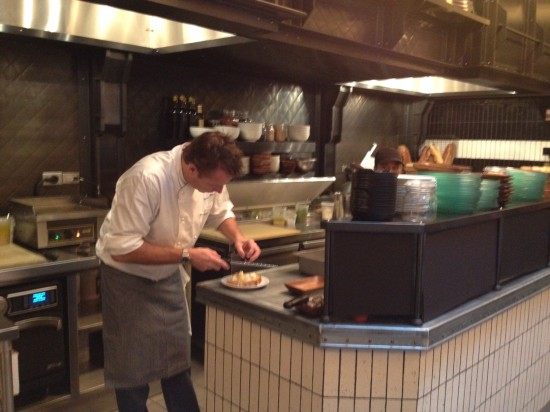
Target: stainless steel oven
pixel 39 310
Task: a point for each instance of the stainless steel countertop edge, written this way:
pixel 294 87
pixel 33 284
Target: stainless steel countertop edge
pixel 66 263
pixel 268 311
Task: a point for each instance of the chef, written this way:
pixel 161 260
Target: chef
pixel 160 206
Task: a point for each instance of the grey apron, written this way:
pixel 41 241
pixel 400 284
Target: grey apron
pixel 146 332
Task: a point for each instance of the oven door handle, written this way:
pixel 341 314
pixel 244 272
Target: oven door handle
pixel 40 321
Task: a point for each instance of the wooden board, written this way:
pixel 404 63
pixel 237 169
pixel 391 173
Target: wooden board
pixel 256 231
pixel 306 285
pixel 13 255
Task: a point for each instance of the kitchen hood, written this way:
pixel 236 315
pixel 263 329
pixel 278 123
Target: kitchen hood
pixel 429 86
pixel 101 25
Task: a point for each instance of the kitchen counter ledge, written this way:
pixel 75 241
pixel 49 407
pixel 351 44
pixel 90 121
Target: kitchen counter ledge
pixel 60 261
pixel 265 307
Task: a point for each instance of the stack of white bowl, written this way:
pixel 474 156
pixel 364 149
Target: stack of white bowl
pixel 231 131
pixel 298 132
pixel 250 131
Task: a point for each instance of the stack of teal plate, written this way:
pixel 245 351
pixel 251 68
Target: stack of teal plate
pixel 457 193
pixel 489 192
pixel 527 186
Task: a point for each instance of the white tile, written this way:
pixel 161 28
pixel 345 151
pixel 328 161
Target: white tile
pixel 471 344
pixel 348 359
pixel 228 322
pixel 346 405
pixel 395 374
pixel 245 385
pixel 275 353
pixel 409 406
pixel 236 380
pixel 265 347
pixel 444 357
pixel 411 372
pixel 245 341
pixel 318 370
pixel 330 404
pixel 254 389
pixel 295 397
pixel 210 401
pixel 237 336
pixel 364 373
pixel 377 405
pixel 273 392
pixel 255 344
pixel 442 390
pixel 451 351
pixel 363 405
pixel 307 366
pixel 317 403
pixel 286 351
pixel 422 390
pixel 210 330
pixel 210 371
pixel 428 372
pixel 379 374
pixel 220 329
pixel 436 366
pixel 331 372
pixel 284 395
pixel 306 399
pixel 461 391
pixel 296 361
pixel 263 391
pixel 455 383
pixel 227 374
pixel 449 386
pixel 218 388
pixel 458 355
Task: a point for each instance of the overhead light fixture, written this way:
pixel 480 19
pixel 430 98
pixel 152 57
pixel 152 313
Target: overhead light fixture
pixel 427 86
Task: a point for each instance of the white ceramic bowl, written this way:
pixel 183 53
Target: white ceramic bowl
pixel 298 132
pixel 251 131
pixel 231 131
pixel 197 131
pixel 275 163
pixel 245 165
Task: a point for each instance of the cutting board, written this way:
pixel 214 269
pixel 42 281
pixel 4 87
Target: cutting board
pixel 13 255
pixel 256 231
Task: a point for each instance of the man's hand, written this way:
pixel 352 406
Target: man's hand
pixel 248 249
pixel 203 258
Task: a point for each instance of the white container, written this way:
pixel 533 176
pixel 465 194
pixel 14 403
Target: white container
pixel 231 131
pixel 245 165
pixel 298 132
pixel 251 132
pixel 197 131
pixel 275 163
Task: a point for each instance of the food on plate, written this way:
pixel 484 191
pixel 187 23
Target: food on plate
pixel 436 154
pixel 244 279
pixel 425 155
pixel 405 154
pixel 449 154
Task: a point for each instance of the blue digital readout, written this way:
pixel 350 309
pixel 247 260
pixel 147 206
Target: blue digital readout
pixel 39 297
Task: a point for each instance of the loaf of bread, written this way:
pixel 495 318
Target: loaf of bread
pixel 449 154
pixel 405 154
pixel 436 154
pixel 424 155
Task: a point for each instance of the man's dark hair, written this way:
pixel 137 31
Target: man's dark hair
pixel 212 150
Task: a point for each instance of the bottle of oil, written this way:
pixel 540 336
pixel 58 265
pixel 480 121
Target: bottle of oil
pixel 174 119
pixel 183 134
pixel 200 116
pixel 192 112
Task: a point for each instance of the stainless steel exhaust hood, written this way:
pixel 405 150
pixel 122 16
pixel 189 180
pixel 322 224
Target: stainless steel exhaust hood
pixel 101 25
pixel 429 86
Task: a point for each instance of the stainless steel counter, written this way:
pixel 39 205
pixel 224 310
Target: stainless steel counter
pixel 60 261
pixel 265 307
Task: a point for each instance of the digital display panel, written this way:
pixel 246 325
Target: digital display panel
pixel 38 297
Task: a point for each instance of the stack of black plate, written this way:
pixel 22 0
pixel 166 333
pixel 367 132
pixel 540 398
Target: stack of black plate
pixel 373 195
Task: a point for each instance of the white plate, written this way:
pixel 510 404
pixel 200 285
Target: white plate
pixel 263 283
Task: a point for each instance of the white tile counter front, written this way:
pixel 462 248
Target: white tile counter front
pixel 492 354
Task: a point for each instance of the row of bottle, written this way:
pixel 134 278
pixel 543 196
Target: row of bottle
pixel 184 113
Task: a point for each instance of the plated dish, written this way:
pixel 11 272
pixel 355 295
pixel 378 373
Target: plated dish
pixel 245 281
